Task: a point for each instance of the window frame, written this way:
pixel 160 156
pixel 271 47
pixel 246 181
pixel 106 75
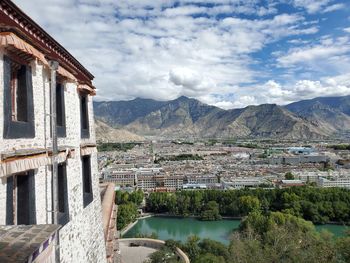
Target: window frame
pixel 63 197
pixel 86 180
pixel 12 128
pixel 84 116
pixel 13 190
pixel 60 97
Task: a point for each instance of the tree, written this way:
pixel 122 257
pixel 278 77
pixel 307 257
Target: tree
pixel 289 176
pixel 127 213
pixel 279 237
pixel 319 205
pixel 191 247
pixel 214 247
pixel 343 248
pixel 209 258
pixel 248 204
pixel 211 212
pixel 136 197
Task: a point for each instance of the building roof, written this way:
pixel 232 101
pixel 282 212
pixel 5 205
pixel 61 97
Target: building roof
pixel 292 182
pixel 24 243
pixel 12 18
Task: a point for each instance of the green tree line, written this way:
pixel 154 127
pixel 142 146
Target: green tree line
pixel 340 147
pixel 319 205
pixel 108 147
pixel 127 207
pixel 180 157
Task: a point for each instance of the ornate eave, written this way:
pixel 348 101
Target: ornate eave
pixel 13 19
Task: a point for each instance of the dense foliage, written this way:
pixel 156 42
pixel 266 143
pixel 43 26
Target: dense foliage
pixel 289 176
pixel 108 147
pixel 127 213
pixel 319 205
pixel 165 254
pixel 127 207
pixel 123 197
pixel 340 147
pixel 210 212
pixel 180 157
pixel 275 237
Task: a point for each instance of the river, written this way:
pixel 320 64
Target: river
pixel 180 228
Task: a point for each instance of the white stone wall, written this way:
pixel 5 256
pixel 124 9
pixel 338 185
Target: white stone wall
pixel 41 97
pixel 82 238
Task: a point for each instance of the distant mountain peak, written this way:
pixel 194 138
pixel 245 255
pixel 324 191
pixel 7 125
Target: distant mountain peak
pixel 186 117
pixel 184 99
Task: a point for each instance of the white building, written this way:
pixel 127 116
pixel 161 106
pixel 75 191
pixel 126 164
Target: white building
pixel 207 179
pixel 26 144
pixel 242 182
pixel 121 178
pixel 343 182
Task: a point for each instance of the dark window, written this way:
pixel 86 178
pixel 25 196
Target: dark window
pixel 60 111
pixel 84 116
pixel 18 100
pixel 19 93
pixel 87 186
pixel 63 209
pixel 9 201
pixel 21 209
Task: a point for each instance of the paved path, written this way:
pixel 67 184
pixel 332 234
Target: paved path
pixel 134 254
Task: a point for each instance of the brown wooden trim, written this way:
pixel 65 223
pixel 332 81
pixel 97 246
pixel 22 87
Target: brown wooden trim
pixel 34 155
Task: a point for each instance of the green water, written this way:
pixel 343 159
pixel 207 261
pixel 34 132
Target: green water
pixel 337 230
pixel 180 228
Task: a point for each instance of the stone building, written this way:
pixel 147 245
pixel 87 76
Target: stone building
pixel 26 144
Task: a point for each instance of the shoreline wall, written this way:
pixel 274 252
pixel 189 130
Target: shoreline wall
pixel 154 243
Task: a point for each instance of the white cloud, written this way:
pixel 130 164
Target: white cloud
pixel 347 29
pixel 151 49
pixel 274 92
pixel 311 6
pixel 328 53
pixel 334 7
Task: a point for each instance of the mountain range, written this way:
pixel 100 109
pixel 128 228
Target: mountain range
pixel 189 118
pixel 105 133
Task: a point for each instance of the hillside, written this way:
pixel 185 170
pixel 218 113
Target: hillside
pixel 105 133
pixel 330 114
pixel 185 117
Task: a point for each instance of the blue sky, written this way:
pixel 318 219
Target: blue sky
pixel 228 53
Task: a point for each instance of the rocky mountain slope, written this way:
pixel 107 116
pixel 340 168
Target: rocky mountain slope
pixel 331 114
pixel 119 113
pixel 105 133
pixel 185 117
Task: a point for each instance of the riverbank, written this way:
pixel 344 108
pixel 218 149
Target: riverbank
pixel 180 228
pixel 197 217
pixel 128 227
pixel 137 250
pixel 231 218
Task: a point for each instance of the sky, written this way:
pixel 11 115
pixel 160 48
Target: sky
pixel 227 53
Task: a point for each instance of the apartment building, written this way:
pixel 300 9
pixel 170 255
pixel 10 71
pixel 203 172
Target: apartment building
pixel 149 182
pixel 343 182
pixel 174 182
pixel 31 61
pixel 239 182
pixel 207 179
pixel 121 178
